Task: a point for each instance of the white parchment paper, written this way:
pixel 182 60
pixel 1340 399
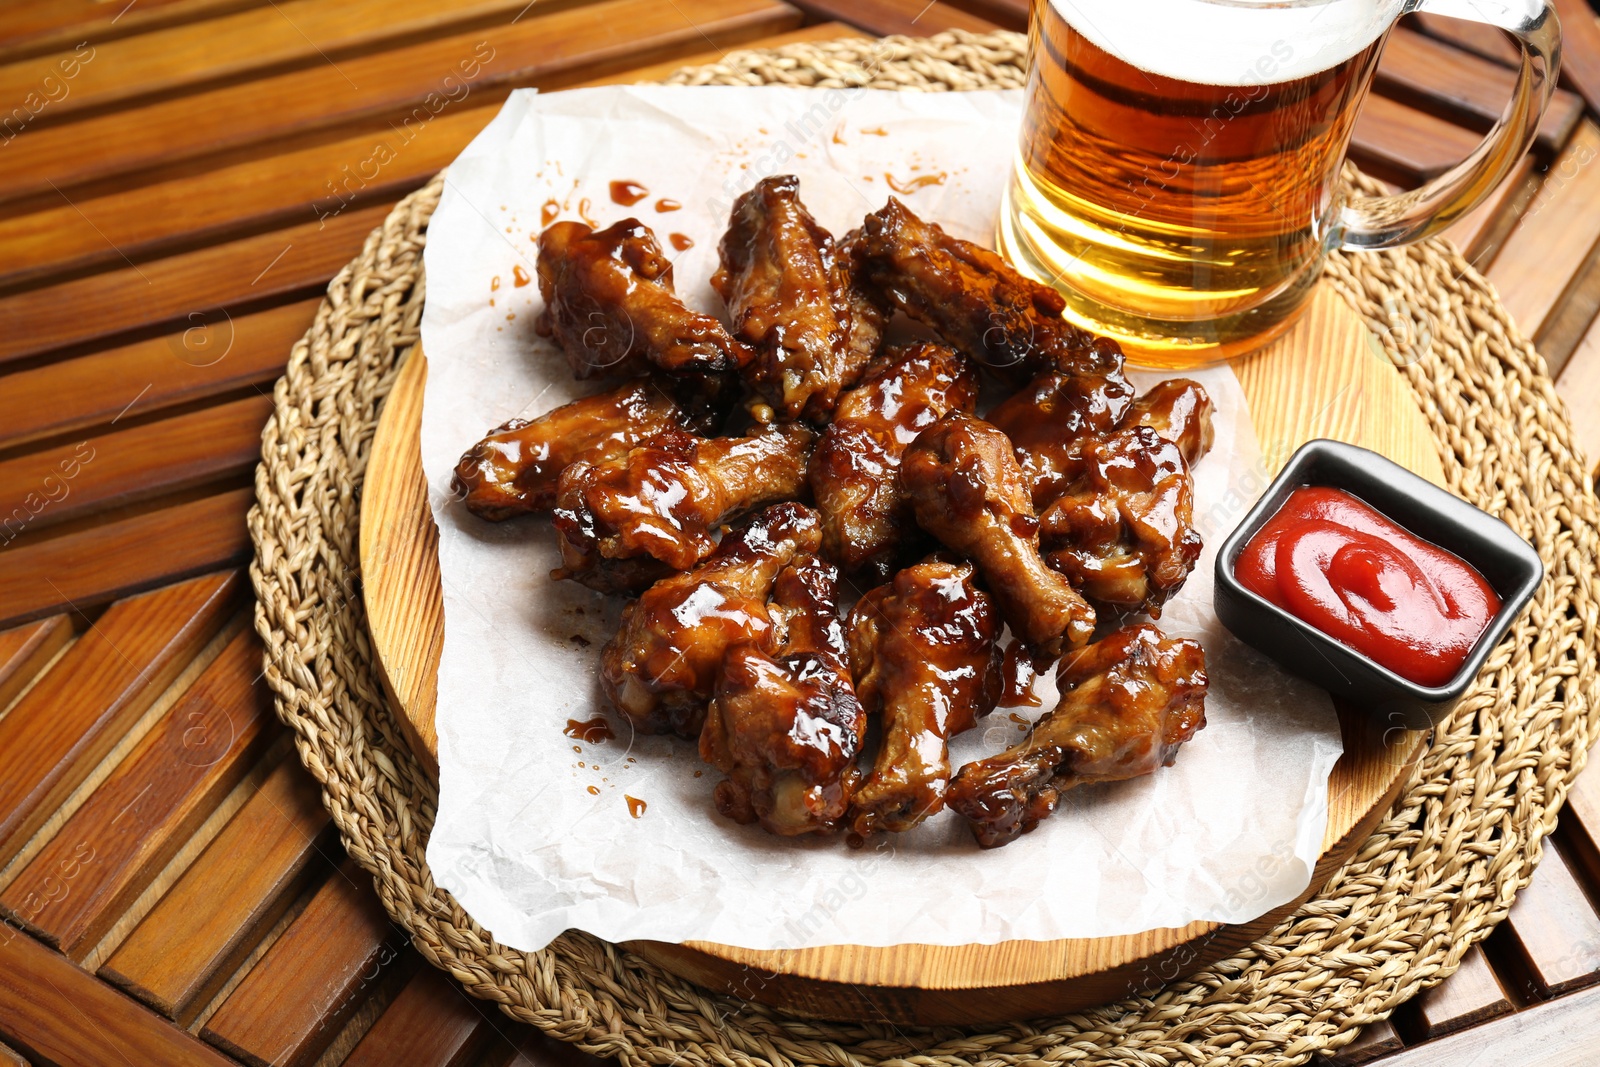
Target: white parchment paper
pixel 535 833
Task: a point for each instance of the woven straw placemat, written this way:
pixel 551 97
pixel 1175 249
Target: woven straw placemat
pixel 1439 872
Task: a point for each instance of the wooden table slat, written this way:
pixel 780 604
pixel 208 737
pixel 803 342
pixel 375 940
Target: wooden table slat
pixel 130 555
pixel 1474 37
pixel 1579 388
pixel 315 184
pixel 69 1018
pixel 63 726
pixel 235 275
pixel 818 31
pixel 1561 1033
pixel 526 1046
pixel 1480 232
pixel 24 650
pixel 1580 819
pixel 135 380
pixel 1007 14
pixel 1554 930
pixel 1564 329
pixel 1554 236
pixel 136 820
pixel 1580 48
pixel 1397 142
pixel 1472 90
pixel 180 954
pixel 1376 1040
pixel 261 39
pixel 138 463
pixel 296 997
pixel 536 50
pixel 430 1023
pixel 10 1057
pixel 914 18
pixel 31 27
pixel 1470 996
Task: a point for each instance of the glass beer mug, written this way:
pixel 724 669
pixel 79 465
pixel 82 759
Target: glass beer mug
pixel 1178 176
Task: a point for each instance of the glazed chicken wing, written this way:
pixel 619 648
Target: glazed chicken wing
pixel 626 522
pixel 516 468
pixel 1050 416
pixel 609 305
pixel 974 299
pixel 792 298
pixel 1127 702
pixel 1179 410
pixel 662 665
pixel 785 725
pixel 854 472
pixel 968 491
pixel 925 651
pixel 1123 533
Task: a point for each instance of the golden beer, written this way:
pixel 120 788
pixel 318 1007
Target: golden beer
pixel 1178 172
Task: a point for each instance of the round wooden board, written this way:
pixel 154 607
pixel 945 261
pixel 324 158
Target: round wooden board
pixel 1325 378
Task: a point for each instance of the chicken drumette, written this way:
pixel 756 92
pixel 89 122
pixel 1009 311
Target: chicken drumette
pixel 1049 417
pixel 662 666
pixel 791 295
pixel 609 304
pixel 925 652
pixel 974 299
pixel 516 468
pixel 1180 411
pixel 785 725
pixel 1128 701
pixel 854 472
pixel 1123 533
pixel 626 522
pixel 967 490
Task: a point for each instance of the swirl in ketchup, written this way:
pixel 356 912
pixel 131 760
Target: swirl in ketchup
pixel 1332 561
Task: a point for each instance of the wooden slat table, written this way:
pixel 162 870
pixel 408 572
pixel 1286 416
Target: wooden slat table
pixel 171 886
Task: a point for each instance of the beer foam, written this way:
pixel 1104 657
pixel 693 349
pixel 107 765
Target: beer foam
pixel 1231 42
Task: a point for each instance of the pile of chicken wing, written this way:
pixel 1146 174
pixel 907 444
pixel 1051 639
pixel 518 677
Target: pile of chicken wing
pixel 743 480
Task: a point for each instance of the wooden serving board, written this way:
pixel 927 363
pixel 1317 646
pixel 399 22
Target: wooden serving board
pixel 1325 378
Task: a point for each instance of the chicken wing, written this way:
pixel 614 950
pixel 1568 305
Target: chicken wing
pixel 792 298
pixel 661 666
pixel 1123 533
pixel 854 472
pixel 1179 410
pixel 516 468
pixel 626 522
pixel 974 299
pixel 925 651
pixel 785 725
pixel 609 305
pixel 967 490
pixel 1048 418
pixel 1127 702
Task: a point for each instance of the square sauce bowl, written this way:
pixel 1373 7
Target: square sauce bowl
pixel 1507 562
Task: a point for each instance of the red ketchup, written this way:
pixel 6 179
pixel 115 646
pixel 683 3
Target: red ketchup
pixel 1332 561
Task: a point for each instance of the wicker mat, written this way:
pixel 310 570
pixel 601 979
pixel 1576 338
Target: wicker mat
pixel 1433 879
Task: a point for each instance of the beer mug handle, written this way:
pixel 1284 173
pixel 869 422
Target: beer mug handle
pixel 1389 221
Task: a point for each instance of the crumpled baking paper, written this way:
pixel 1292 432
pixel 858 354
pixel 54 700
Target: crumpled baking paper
pixel 536 833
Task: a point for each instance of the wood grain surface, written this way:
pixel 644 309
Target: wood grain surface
pixel 1472 996
pixel 93 694
pixel 193 320
pixel 180 955
pixel 431 1023
pixel 139 816
pixel 1325 378
pixel 332 957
